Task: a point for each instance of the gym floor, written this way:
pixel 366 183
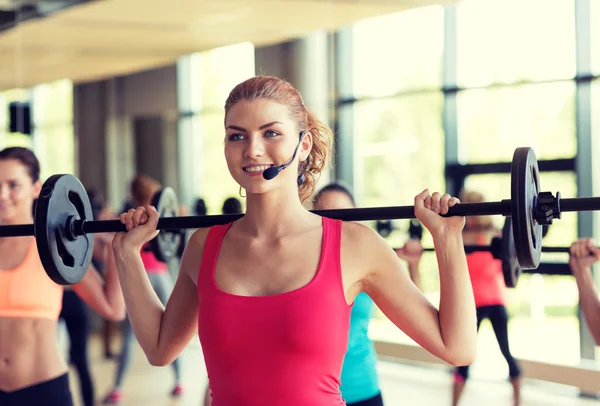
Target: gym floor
pixel 402 384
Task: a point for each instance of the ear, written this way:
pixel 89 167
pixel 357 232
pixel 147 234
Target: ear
pixel 306 146
pixel 37 188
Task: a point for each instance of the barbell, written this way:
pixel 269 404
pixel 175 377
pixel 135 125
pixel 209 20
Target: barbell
pixel 64 227
pixel 501 248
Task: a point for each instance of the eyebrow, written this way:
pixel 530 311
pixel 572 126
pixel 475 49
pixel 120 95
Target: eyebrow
pixel 262 127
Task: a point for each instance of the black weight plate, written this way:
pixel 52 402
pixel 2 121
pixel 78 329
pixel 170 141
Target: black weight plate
pixel 166 244
pixel 508 255
pixel 525 187
pixel 66 260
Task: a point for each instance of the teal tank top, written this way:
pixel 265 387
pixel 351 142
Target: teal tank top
pixel 359 373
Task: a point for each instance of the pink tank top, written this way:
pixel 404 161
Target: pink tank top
pixel 284 349
pixel 486 278
pixel 151 264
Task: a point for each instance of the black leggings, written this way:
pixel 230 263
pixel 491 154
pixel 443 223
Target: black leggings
pixel 74 313
pixel 374 401
pixel 499 319
pixel 54 392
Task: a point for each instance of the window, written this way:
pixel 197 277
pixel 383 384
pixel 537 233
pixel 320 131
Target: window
pixel 512 41
pixel 213 181
pixel 595 35
pixel 399 151
pixel 55 149
pixel 218 71
pixel 398 52
pixel 493 122
pixel 214 74
pixel 53 103
pixel 54 137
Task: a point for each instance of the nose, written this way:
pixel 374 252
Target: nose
pixel 3 192
pixel 255 147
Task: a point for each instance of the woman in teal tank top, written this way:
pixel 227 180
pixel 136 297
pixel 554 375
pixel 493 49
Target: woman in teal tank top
pixel 359 381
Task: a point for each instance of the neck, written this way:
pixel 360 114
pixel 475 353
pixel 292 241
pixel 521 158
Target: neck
pixel 273 214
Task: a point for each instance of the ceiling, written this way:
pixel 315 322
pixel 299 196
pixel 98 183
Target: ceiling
pixel 105 38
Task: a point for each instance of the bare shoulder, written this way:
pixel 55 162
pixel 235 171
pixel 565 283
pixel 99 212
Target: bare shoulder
pixel 361 249
pixel 356 235
pixel 192 255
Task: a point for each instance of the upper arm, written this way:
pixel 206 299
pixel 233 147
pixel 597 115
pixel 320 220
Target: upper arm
pixel 384 278
pixel 180 320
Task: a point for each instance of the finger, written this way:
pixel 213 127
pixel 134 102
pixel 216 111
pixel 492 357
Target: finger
pixel 435 202
pixel 427 202
pixel 123 217
pixel 453 201
pixel 153 215
pixel 137 216
pixel 129 219
pixel 420 199
pixel 444 203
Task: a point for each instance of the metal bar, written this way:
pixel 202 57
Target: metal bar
pixel 488 248
pixel 551 268
pixel 549 165
pixel 580 204
pixel 16 230
pixel 362 214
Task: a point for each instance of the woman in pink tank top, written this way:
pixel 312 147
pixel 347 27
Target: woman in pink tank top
pixel 488 291
pixel 270 294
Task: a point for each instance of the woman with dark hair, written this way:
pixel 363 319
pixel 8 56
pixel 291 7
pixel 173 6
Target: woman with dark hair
pixel 232 205
pixel 359 379
pixel 32 371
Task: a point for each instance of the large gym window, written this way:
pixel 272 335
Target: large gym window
pixel 595 35
pixel 398 52
pixel 213 74
pixel 512 41
pixel 492 122
pixel 54 138
pixel 508 82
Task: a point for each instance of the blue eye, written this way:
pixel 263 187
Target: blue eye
pixel 235 137
pixel 271 133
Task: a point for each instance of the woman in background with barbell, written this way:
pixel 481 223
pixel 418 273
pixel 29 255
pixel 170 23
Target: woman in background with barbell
pixel 32 371
pixel 489 291
pixel 270 294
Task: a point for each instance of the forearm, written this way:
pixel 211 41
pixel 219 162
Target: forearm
pixel 415 275
pixel 144 309
pixel 589 302
pixel 457 312
pixel 112 288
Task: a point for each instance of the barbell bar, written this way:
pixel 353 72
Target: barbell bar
pixel 64 227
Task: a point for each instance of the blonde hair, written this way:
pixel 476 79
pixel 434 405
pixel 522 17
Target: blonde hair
pixel 280 91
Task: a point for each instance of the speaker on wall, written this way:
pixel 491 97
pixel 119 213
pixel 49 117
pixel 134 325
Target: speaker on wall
pixel 19 114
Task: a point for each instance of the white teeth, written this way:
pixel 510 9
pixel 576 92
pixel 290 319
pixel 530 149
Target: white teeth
pixel 257 168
